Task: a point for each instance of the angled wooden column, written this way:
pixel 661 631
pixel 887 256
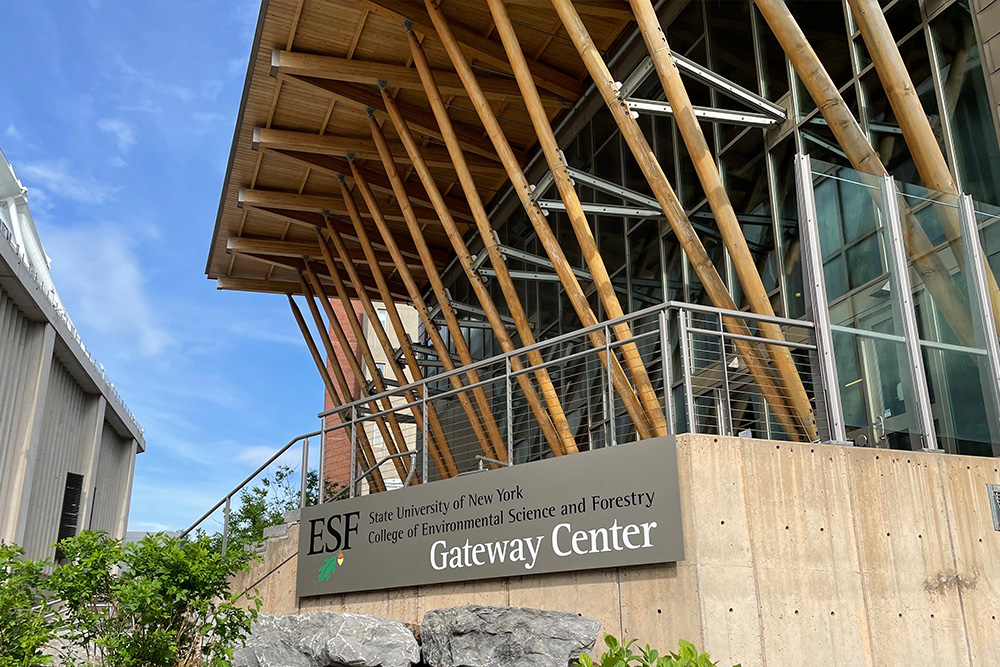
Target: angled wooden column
pixel 444 354
pixel 574 211
pixel 863 158
pixel 708 175
pixel 556 412
pixel 917 132
pixel 338 372
pixel 560 439
pixel 397 443
pixel 430 268
pixel 437 439
pixel 569 281
pixel 362 445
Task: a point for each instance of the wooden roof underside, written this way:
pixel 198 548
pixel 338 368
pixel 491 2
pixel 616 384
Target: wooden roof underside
pixel 309 112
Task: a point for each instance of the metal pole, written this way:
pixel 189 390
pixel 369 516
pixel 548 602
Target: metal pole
pixel 816 299
pixel 609 355
pixel 686 361
pixel 304 490
pixel 354 454
pixel 225 525
pixel 982 314
pixel 726 423
pixel 899 274
pixel 510 411
pixel 668 394
pixel 321 468
pixel 426 388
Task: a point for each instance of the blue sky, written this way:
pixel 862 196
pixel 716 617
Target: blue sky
pixel 118 118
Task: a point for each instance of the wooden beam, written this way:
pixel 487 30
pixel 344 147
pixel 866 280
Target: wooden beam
pixel 330 144
pixel 417 118
pixel 293 201
pixel 480 47
pixel 245 245
pixel 708 174
pixel 952 303
pixel 364 448
pixel 388 425
pixel 367 72
pixel 335 166
pixel 550 243
pixel 444 352
pixel 557 166
pixel 558 433
pixel 916 128
pixel 231 284
pixel 618 10
pixel 437 437
pixel 293 265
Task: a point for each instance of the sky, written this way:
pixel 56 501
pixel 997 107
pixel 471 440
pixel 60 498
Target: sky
pixel 118 117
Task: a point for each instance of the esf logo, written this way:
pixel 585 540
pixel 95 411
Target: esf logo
pixel 332 535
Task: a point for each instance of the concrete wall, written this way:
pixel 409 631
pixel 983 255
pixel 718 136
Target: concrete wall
pixel 797 555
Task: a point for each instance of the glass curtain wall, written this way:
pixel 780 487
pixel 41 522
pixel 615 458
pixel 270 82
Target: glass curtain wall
pixel 731 38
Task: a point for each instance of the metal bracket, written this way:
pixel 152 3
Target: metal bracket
pixel 604 209
pixel 714 115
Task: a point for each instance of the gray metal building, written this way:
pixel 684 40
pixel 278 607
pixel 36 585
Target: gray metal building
pixel 67 441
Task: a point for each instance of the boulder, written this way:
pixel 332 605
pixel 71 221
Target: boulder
pixel 477 636
pixel 326 639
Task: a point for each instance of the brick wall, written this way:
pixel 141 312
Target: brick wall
pixel 337 464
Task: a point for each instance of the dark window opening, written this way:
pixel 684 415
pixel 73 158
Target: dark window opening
pixel 69 518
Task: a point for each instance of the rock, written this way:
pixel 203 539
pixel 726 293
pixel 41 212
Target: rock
pixel 476 636
pixel 326 639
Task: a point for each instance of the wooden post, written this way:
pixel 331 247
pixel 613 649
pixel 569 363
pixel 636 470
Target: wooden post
pixel 430 268
pixel 397 442
pixel 553 423
pixel 574 291
pixel 574 211
pixel 952 303
pixel 708 174
pixel 444 354
pixel 437 437
pixel 362 445
pixel 917 132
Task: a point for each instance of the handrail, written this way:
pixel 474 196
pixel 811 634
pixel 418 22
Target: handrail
pixel 550 342
pixel 256 472
pixel 409 475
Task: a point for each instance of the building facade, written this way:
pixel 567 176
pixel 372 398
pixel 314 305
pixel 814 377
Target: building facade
pixel 67 441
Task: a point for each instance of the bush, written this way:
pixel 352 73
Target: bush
pixel 24 628
pixel 619 654
pixel 160 602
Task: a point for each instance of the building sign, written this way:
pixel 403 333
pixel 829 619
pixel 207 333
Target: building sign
pixel 607 508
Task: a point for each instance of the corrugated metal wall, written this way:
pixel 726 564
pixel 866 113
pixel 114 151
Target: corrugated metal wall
pixel 64 446
pixel 20 352
pixel 986 14
pixel 111 482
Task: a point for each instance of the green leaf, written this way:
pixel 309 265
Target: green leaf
pixel 328 567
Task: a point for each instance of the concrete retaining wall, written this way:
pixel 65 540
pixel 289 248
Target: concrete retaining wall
pixel 797 555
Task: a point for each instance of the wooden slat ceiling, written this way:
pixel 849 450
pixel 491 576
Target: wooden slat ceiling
pixel 303 109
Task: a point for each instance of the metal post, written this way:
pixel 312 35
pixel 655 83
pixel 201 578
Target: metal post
pixel 423 464
pixel 225 524
pixel 304 477
pixel 686 361
pixel 899 275
pixel 321 465
pixel 726 416
pixel 817 309
pixel 668 394
pixel 510 415
pixel 354 448
pixel 982 312
pixel 609 355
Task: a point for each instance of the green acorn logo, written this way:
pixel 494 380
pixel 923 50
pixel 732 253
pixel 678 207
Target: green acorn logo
pixel 329 566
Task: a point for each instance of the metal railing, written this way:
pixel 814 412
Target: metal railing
pixel 64 317
pixel 697 363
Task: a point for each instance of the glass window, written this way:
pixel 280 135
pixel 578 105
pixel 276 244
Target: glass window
pixel 772 61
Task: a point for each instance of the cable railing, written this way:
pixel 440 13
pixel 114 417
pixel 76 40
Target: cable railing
pixel 702 364
pixel 64 317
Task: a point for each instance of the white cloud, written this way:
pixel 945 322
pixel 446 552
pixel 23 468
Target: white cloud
pixel 152 84
pixel 58 180
pixel 117 162
pixel 14 133
pixel 98 273
pixel 124 132
pixel 144 105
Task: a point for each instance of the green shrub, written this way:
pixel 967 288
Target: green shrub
pixel 160 602
pixel 24 628
pixel 619 654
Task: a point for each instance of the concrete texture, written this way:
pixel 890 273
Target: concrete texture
pixel 797 554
